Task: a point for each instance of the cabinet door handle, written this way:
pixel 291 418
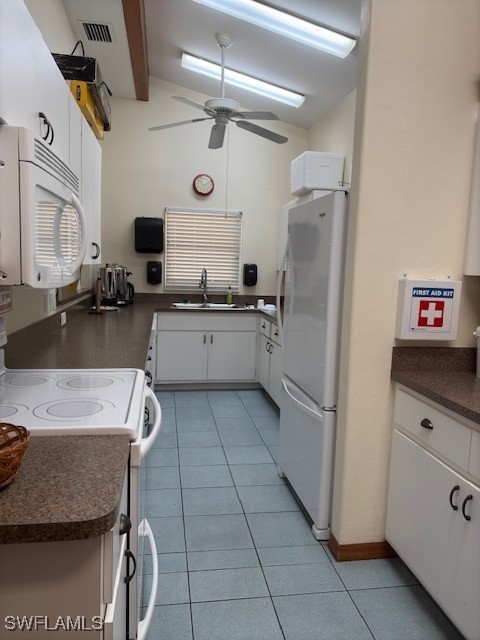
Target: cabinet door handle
pixel 129 554
pixel 149 358
pixel 263 325
pixel 211 338
pixel 467 499
pixel 271 348
pixel 204 338
pixel 454 506
pixel 47 125
pixel 426 424
pixel 267 346
pixel 50 131
pixel 97 251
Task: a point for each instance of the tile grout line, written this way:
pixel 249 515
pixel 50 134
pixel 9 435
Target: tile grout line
pixel 249 530
pixel 184 527
pixel 351 598
pixel 348 591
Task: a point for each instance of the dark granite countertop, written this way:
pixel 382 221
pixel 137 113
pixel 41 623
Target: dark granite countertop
pixel 445 375
pixel 67 488
pixel 118 339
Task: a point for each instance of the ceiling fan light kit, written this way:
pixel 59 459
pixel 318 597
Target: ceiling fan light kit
pixel 285 24
pixel 224 110
pixel 242 81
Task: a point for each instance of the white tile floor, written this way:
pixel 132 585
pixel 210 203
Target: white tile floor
pixel 236 555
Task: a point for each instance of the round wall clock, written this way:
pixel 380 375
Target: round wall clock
pixel 203 184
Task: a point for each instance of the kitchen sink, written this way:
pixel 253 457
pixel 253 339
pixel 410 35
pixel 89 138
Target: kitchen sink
pixel 188 305
pixel 201 305
pixel 220 305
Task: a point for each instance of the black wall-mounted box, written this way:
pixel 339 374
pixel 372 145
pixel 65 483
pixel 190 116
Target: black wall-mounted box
pixel 154 272
pixel 149 235
pixel 249 275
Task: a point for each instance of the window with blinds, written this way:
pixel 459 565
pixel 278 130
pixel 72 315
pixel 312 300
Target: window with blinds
pixel 202 239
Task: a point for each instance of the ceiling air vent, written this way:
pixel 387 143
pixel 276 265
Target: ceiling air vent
pixel 98 32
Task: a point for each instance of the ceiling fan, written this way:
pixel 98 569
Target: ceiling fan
pixel 223 110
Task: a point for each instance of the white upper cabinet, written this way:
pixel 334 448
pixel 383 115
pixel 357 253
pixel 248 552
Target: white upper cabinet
pixel 75 138
pixel 30 81
pixel 91 195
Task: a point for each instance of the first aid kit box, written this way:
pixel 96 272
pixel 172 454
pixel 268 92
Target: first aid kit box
pixel 428 309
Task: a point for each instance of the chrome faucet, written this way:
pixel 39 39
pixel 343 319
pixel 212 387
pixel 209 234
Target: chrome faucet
pixel 203 283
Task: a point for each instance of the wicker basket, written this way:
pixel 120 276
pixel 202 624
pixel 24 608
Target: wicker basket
pixel 13 444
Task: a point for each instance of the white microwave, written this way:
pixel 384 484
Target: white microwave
pixel 43 235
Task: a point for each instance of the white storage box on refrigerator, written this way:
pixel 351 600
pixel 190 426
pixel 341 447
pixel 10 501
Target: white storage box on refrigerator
pixel 316 170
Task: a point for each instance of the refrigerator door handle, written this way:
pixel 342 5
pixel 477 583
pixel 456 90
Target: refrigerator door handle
pixel 311 410
pixel 279 288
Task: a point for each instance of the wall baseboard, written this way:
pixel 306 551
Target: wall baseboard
pixel 361 551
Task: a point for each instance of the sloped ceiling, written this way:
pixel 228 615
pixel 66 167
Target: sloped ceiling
pixel 174 26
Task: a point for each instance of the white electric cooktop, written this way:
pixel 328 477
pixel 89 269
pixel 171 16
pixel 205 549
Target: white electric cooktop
pixel 73 401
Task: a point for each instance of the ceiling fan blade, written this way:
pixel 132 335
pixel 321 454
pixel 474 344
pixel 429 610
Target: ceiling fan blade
pixel 255 115
pixel 260 131
pixel 217 135
pixel 208 111
pixel 177 124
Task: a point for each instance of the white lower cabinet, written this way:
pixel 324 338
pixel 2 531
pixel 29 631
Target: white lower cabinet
pixel 151 362
pixel 275 388
pixel 58 587
pixel 231 355
pixel 181 355
pixel 264 362
pixel 205 348
pixel 433 522
pixel 270 366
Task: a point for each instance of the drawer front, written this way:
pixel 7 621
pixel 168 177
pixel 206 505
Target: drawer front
pixel 115 617
pixel 203 321
pixel 265 327
pixel 112 549
pixel 447 437
pixel 474 466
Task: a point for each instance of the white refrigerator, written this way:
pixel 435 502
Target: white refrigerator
pixel 315 256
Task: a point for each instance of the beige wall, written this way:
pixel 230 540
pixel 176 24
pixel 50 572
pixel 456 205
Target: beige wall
pixel 52 20
pixel 143 172
pixel 414 131
pixel 334 132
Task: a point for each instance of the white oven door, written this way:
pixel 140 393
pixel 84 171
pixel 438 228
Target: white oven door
pixel 142 591
pixel 53 229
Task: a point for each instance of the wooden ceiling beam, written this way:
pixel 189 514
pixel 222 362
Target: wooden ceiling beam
pixel 134 12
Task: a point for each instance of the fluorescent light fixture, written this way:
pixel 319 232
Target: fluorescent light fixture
pixel 285 24
pixel 242 81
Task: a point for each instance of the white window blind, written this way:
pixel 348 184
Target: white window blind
pixel 202 239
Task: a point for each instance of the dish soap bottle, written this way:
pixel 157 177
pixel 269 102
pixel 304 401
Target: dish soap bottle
pixel 229 295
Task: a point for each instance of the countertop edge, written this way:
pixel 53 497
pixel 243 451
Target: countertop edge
pixel 106 462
